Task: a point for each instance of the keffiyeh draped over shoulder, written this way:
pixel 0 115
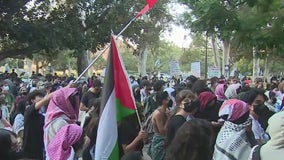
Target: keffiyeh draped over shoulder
pixel 60 148
pixel 232 142
pixel 63 109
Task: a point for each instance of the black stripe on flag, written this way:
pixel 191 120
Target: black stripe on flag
pixel 108 86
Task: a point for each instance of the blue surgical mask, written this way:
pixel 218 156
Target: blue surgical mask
pixel 6 88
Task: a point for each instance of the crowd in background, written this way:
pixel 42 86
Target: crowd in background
pixel 49 117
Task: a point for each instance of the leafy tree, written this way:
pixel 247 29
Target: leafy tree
pixel 257 33
pixel 196 52
pixel 77 25
pixel 213 18
pixel 245 27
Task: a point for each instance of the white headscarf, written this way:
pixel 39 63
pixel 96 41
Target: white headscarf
pixel 231 91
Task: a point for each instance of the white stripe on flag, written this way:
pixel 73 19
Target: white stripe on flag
pixel 107 130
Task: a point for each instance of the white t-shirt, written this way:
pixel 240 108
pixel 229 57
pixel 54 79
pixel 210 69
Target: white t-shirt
pixel 258 131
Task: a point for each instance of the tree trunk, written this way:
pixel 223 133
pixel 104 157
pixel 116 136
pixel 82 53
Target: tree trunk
pixel 206 57
pixel 226 57
pixel 82 62
pixel 266 70
pixel 37 66
pixel 254 69
pixel 142 61
pixel 80 66
pixel 69 68
pixel 257 66
pixel 88 58
pixel 215 51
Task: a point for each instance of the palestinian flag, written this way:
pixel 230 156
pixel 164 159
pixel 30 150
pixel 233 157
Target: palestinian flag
pixel 117 103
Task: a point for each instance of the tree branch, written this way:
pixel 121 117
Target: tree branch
pixel 17 53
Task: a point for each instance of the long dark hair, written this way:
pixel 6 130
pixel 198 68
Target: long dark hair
pixel 92 128
pixel 6 151
pixel 193 141
pixel 200 86
pixel 21 107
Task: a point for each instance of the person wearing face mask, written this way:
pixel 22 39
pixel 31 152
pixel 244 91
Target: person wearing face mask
pixel 22 95
pixel 208 107
pixel 234 141
pixel 259 113
pixel 187 107
pixel 274 148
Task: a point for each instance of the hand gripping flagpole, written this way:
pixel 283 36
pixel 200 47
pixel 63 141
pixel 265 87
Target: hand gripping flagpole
pixel 102 52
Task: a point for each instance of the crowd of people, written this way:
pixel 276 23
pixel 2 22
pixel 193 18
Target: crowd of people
pixel 219 118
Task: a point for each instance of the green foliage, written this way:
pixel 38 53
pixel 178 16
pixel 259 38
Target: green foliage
pixel 245 23
pixel 64 60
pixel 196 52
pixel 165 52
pixel 77 25
pixel 211 16
pixel 244 66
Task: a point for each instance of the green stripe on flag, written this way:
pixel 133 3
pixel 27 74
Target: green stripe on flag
pixel 115 153
pixel 122 111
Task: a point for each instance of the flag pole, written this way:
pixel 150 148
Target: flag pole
pixel 102 52
pixel 138 117
pixel 136 110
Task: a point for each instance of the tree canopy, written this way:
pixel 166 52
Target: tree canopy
pixel 27 27
pixel 244 24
